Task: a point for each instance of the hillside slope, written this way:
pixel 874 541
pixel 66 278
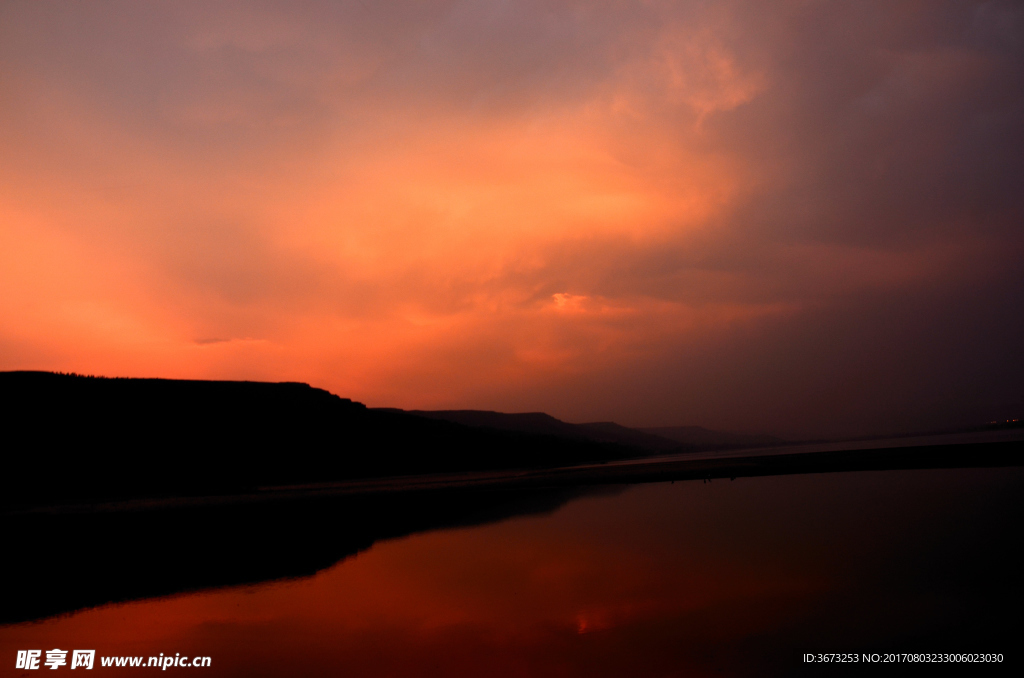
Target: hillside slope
pixel 70 438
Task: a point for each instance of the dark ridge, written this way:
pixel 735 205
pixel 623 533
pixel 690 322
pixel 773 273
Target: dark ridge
pixel 609 431
pixel 544 424
pixel 73 439
pixel 696 437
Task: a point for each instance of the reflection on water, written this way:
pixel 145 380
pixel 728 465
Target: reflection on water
pixel 68 561
pixel 721 578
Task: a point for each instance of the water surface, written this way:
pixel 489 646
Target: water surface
pixel 688 578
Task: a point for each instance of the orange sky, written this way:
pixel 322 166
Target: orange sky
pixel 797 217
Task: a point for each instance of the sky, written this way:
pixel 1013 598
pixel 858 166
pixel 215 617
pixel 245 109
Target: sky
pixel 795 217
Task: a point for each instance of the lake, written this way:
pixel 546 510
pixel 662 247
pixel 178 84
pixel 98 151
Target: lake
pixel 724 578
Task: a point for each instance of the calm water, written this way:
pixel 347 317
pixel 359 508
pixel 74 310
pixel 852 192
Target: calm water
pixel 722 578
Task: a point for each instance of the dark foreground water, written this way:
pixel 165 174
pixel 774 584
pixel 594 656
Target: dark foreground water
pixel 686 579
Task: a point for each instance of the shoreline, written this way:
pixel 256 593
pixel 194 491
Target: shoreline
pixel 835 458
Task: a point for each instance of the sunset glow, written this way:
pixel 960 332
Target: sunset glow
pixel 656 212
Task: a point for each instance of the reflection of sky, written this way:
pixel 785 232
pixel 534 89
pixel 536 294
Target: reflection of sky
pixel 657 580
pixel 803 217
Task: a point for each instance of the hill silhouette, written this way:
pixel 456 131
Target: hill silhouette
pixel 544 424
pixel 71 438
pixel 660 439
pixel 706 439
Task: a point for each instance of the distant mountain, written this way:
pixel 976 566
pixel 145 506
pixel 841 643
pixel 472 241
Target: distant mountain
pixel 75 439
pixel 702 438
pixel 609 431
pixel 544 424
pixel 69 438
pixel 653 440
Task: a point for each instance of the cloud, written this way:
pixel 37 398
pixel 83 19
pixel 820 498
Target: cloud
pixel 653 212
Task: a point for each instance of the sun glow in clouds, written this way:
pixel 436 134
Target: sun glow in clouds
pixel 510 206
